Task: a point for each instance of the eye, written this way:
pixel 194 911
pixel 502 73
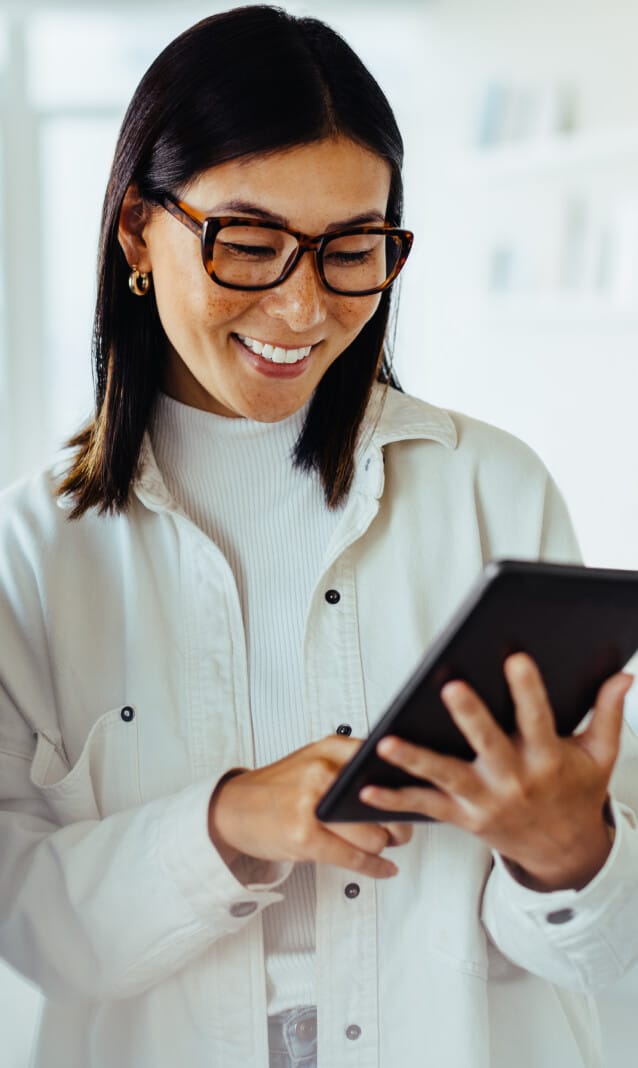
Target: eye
pixel 347 259
pixel 250 244
pixel 354 250
pixel 243 250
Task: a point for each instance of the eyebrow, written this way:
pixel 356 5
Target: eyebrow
pixel 244 207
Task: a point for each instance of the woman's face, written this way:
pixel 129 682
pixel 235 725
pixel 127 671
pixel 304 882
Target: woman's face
pixel 312 188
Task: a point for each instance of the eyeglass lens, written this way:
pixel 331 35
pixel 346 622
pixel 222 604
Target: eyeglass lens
pixel 247 256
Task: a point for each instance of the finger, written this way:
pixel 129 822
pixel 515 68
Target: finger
pixel 371 837
pixel 422 800
pixel 601 738
pixel 478 726
pixel 448 773
pixel 332 849
pixel 399 833
pixel 534 716
pixel 374 837
pixel 337 747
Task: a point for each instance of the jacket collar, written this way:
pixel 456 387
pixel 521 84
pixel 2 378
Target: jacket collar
pixel 391 416
pixel 394 416
pixel 148 484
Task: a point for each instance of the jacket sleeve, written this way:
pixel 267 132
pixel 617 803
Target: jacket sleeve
pixel 582 939
pixel 104 909
pixel 558 540
pixel 96 902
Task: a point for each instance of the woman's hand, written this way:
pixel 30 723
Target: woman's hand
pixel 535 797
pixel 270 814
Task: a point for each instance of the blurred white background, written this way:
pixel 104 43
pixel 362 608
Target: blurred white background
pixel 519 305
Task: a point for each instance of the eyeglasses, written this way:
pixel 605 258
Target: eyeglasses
pixel 250 254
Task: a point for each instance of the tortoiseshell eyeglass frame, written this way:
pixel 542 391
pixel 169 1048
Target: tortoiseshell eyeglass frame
pixel 207 228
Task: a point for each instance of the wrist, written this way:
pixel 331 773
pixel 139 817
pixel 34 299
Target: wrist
pixel 576 868
pixel 227 852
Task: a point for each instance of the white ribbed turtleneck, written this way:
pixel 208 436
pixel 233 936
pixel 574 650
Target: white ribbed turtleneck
pixel 236 480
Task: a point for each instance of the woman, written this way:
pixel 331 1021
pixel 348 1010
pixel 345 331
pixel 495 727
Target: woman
pixel 249 548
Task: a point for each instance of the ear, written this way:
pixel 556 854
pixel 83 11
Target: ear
pixel 134 216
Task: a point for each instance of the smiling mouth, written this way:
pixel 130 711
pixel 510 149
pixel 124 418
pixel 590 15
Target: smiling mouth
pixel 274 353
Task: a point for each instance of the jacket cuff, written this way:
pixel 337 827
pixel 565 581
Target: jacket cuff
pixel 216 895
pixel 585 938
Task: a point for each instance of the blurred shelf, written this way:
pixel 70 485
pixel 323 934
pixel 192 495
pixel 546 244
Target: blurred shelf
pixel 558 155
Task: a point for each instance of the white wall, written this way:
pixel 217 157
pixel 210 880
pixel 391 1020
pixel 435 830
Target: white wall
pixel 562 375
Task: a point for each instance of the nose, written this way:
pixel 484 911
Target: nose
pixel 300 301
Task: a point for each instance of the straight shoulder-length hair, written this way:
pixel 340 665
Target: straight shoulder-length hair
pixel 250 81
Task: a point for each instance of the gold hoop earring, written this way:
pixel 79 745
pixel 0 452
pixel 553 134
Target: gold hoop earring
pixel 139 282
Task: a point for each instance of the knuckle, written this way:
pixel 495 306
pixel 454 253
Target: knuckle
pixel 301 834
pixel 319 773
pixel 476 823
pixel 482 737
pixel 399 833
pixel 379 839
pixel 461 781
pixel 483 820
pixel 514 791
pixel 554 765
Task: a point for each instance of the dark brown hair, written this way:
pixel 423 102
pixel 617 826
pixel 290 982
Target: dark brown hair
pixel 252 80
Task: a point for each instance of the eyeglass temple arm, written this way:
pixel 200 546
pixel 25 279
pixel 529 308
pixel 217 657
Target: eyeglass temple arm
pixel 177 211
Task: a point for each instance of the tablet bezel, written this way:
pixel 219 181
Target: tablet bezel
pixel 600 605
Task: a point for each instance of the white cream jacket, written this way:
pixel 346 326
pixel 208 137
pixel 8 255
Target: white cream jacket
pixel 124 697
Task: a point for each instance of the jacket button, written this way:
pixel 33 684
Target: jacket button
pixel 127 713
pixel 353 1031
pixel 560 916
pixel 243 908
pixel 352 890
pixel 344 728
pixel 333 596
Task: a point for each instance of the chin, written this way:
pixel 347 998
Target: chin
pixel 273 415
pixel 271 410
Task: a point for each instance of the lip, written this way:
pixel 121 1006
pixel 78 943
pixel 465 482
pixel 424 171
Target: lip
pixel 270 369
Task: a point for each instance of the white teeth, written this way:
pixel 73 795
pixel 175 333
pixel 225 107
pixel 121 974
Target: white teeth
pixel 274 353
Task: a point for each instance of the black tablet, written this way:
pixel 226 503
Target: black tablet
pixel 580 625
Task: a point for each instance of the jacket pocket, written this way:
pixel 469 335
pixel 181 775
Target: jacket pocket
pixel 105 778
